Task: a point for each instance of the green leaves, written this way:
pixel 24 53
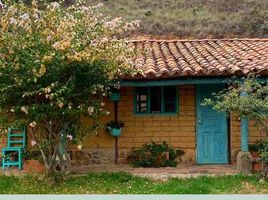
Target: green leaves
pixel 253 105
pixel 154 155
pixel 56 64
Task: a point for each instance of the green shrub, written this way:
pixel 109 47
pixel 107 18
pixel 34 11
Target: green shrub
pixel 259 146
pixel 154 155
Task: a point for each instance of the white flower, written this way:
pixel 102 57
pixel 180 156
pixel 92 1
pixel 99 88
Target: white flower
pixel 107 113
pixel 79 147
pixel 55 4
pixel 12 110
pixel 33 142
pixel 102 104
pixel 36 16
pixel 12 20
pixel 70 107
pixel 33 124
pixel 99 5
pixel 117 85
pixel 90 110
pixel 114 23
pixel 25 16
pixel 70 137
pixel 49 38
pixel 23 109
pixel 47 90
pixel 60 104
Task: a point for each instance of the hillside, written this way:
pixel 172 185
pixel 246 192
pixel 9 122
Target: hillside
pixel 193 18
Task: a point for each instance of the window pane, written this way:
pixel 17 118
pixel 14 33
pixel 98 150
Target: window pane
pixel 155 99
pixel 141 99
pixel 170 98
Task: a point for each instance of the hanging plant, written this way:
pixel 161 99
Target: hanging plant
pixel 114 128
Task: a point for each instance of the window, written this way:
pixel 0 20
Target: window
pixel 156 100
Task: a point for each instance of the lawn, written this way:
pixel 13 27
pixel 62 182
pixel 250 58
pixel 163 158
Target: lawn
pixel 122 183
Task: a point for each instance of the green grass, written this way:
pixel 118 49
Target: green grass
pixel 123 183
pixel 193 18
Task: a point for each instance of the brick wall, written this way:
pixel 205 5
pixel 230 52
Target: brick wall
pixel 2 143
pixel 178 131
pixel 235 136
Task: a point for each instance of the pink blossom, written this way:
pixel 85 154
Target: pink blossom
pixel 33 142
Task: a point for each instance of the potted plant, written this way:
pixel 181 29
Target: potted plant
pixel 256 151
pixel 114 95
pixel 114 128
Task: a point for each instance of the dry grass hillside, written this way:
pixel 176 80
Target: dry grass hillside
pixel 193 18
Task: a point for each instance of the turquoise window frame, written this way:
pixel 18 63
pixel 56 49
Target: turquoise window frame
pixel 148 100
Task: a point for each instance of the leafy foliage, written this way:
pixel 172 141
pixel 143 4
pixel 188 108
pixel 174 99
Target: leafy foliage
pixel 154 155
pixel 247 98
pixel 256 147
pixel 113 124
pixel 57 64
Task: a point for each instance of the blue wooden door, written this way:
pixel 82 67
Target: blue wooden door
pixel 212 132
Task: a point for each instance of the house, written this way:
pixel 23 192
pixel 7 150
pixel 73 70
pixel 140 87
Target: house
pixel 163 102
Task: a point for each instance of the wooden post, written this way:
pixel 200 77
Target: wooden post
pixel 244 158
pixel 244 130
pixel 116 138
pixel 244 134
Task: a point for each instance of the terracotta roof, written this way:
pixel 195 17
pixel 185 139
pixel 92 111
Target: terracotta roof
pixel 192 58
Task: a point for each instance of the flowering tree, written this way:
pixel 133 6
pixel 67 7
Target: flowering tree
pixel 56 64
pixel 253 104
pixel 247 98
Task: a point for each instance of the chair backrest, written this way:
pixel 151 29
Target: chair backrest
pixel 16 137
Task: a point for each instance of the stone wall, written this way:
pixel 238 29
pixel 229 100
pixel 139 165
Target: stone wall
pixel 91 156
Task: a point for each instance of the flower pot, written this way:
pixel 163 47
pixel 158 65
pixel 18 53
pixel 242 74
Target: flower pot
pixel 255 154
pixel 116 132
pixel 115 96
pixel 257 166
pixel 33 167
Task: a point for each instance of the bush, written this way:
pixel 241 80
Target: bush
pixel 257 22
pixel 259 146
pixel 154 155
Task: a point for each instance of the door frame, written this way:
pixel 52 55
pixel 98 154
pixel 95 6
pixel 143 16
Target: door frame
pixel 197 114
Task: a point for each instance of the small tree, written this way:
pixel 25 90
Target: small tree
pixel 253 105
pixel 56 64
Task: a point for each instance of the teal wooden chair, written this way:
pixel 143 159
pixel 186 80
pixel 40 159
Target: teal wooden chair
pixel 16 143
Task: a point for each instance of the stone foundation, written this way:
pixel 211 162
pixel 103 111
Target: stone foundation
pixel 244 162
pixel 91 157
pixel 106 156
